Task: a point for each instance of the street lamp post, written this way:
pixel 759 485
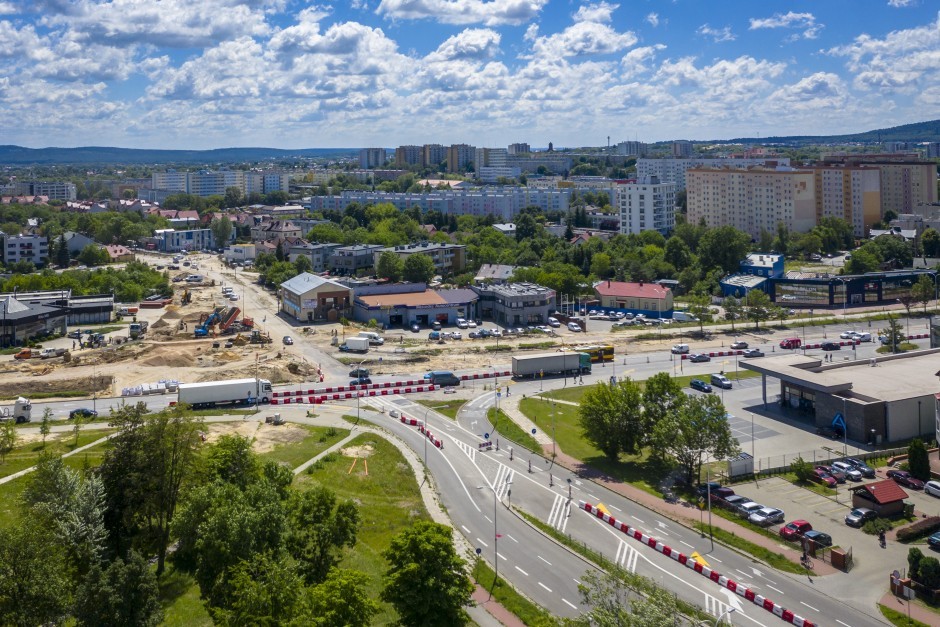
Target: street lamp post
pixel 920 428
pixel 495 533
pixel 359 396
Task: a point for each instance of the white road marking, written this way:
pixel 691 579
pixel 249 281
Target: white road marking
pixel 501 556
pixel 841 623
pixel 544 560
pixel 687 544
pixel 743 574
pixel 544 586
pixel 809 606
pixel 488 519
pixel 482 542
pixel 577 582
pixel 522 571
pixel 569 604
pixel 593 497
pixel 511 538
pixel 778 591
pixel 638 520
pixel 464 528
pixel 712 557
pixel 616 508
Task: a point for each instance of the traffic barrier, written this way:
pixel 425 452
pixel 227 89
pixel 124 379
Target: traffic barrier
pixel 738 588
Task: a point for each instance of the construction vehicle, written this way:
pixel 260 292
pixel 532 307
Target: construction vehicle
pixel 257 337
pixel 233 392
pixel 25 353
pixel 186 298
pixel 22 411
pixel 207 321
pixel 137 329
pixel 128 311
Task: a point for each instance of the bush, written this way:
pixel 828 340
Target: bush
pixel 874 527
pixel 921 528
pixel 803 470
pixel 917 460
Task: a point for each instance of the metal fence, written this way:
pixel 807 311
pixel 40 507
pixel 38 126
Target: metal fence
pixel 780 464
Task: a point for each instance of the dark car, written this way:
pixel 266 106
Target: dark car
pixel 361 381
pixel 862 467
pixel 701 386
pixel 818 538
pixel 415 328
pixel 699 357
pixel 906 479
pixel 934 541
pixel 288 340
pixel 753 352
pixel 832 472
pixel 859 516
pixel 359 373
pixel 82 412
pixel 830 346
pixel 739 345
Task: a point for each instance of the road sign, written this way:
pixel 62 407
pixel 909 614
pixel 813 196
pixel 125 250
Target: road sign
pixel 701 502
pixel 499 394
pixel 533 430
pixel 486 436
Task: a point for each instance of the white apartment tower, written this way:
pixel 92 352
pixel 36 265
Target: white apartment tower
pixel 370 158
pixel 646 205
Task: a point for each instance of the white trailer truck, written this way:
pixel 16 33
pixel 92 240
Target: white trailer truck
pixel 231 392
pixel 551 363
pixel 22 411
pixel 355 345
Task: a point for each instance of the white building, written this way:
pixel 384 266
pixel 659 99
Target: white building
pixel 492 174
pixel 519 148
pixel 266 182
pixel 32 248
pixel 372 158
pixel 58 190
pixel 647 205
pixel 673 170
pixel 628 148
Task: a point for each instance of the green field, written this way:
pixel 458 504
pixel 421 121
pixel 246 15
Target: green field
pixel 58 444
pixel 389 502
pixel 179 596
pixel 511 431
pixel 447 408
pixel 318 440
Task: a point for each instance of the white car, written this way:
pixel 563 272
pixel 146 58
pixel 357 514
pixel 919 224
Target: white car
pixel 766 516
pixel 574 327
pixel 471 324
pixel 462 324
pixel 496 333
pixel 553 322
pixel 746 509
pixel 544 329
pixel 932 488
pixel 850 471
pixel 848 335
pixel 455 335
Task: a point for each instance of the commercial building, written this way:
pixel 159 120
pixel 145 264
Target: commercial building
pixel 459 156
pixel 883 399
pixel 31 248
pixel 448 258
pixel 519 148
pixel 674 170
pixel 763 264
pixel 171 241
pixel 54 190
pixel 318 254
pixel 645 206
pixel 349 260
pixel 874 288
pixel 753 200
pixel 27 315
pixel 515 304
pixel 240 253
pixel 372 158
pixel 309 297
pixel 649 299
pixel 404 304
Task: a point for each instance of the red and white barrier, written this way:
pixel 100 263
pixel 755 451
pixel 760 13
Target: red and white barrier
pixel 385 385
pixel 414 422
pixel 341 396
pixel 740 589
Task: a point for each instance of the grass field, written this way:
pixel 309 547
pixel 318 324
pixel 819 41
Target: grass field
pixel 57 444
pixel 179 596
pixel 511 431
pixel 899 617
pixel 318 440
pixel 447 408
pixel 388 500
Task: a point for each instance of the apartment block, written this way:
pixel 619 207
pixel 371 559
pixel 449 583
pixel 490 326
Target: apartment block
pixel 448 258
pixel 752 200
pixel 57 190
pixel 933 150
pixel 350 259
pixel 906 181
pixel 372 158
pixel 266 182
pixel 492 174
pixel 550 162
pixel 682 149
pixel 490 157
pixel 459 156
pixel 318 254
pixel 674 170
pixel 645 206
pixel 409 155
pixel 633 149
pixel 31 248
pixel 519 149
pixel 434 155
pixel 852 193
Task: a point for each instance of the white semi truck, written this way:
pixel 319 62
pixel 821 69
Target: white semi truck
pixel 546 364
pixel 231 392
pixel 22 411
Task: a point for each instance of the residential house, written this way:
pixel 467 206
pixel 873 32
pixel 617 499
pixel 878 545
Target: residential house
pixel 349 260
pixel 318 254
pixel 119 254
pixel 76 242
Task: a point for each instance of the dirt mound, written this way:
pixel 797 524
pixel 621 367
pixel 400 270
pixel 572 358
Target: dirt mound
pixel 170 358
pixel 160 324
pixel 361 452
pixel 27 387
pixel 263 437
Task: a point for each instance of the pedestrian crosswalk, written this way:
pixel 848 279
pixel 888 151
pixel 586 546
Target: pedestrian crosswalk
pixel 626 557
pixel 715 607
pixel 503 480
pixel 561 510
pixel 468 449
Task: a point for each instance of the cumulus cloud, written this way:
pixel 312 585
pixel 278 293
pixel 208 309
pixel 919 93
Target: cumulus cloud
pixel 473 43
pixel 233 69
pixel 488 12
pixel 899 4
pixel 822 91
pixel 717 34
pixel 806 22
pixel 7 8
pixel 653 19
pixel 599 12
pixel 588 35
pixel 639 60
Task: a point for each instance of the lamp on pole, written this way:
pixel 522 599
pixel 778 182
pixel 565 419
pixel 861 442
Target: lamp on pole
pixel 727 612
pixel 495 532
pixel 359 396
pixel 920 428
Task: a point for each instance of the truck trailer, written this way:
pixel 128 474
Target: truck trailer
pixel 550 364
pixel 356 345
pixel 231 392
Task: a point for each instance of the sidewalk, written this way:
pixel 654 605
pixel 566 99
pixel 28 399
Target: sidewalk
pixel 917 611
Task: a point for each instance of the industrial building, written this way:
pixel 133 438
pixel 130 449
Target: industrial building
pixel 404 304
pixel 309 297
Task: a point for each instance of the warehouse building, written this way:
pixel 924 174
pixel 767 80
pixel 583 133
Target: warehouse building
pixel 404 304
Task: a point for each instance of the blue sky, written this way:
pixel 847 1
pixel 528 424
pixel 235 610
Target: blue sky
pixel 282 73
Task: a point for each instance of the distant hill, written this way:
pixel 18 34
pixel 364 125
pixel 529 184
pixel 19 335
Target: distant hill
pixel 18 155
pixel 918 132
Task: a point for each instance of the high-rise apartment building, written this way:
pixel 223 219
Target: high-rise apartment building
pixel 372 158
pixel 519 149
pixel 933 150
pixel 409 155
pixel 490 157
pixel 682 149
pixel 906 181
pixel 646 205
pixel 631 149
pixel 852 193
pixel 214 183
pixel 673 170
pixel 32 248
pixel 459 156
pixel 752 200
pixel 434 155
pixel 170 180
pixel 58 190
pixel 266 182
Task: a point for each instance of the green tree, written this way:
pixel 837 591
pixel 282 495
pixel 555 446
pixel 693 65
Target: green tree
pixel 221 228
pixel 318 529
pixel 611 417
pixel 678 254
pixel 765 243
pixel 302 264
pixel 930 242
pixel 613 604
pixel 723 247
pixel 62 257
pixel 662 396
pixel 233 198
pixel 418 268
pixel 266 590
pixel 390 266
pixel 929 573
pixel 700 307
pixel 914 557
pixel 917 460
pixel 895 334
pixel 802 469
pixel 231 460
pixel 600 265
pixel 123 593
pixel 7 439
pixel 94 255
pixel 863 260
pixel 426 580
pixel 35 588
pixel 357 607
pixel 758 307
pixel 923 291
pixel 46 426
pixel 698 431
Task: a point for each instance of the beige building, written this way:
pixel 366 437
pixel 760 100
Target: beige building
pixel 852 193
pixel 752 200
pixel 448 258
pixel 906 181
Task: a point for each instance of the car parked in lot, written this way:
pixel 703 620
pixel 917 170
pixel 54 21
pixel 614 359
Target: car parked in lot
pixel 574 327
pixel 553 322
pixel 461 323
pixel 288 340
pixel 818 538
pixel 835 474
pixel 735 501
pixel 850 471
pixel 415 328
pixel 795 529
pixel 905 479
pixel 830 346
pixel 746 509
pixel 699 357
pixel 721 381
pixel 739 345
pixel 932 488
pixel 859 516
pixel 767 516
pixel 753 352
pixel 934 541
pixel 862 467
pixel 82 412
pixel 824 477
pixel 701 386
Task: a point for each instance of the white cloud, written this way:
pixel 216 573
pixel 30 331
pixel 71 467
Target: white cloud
pixel 588 35
pixel 822 91
pixel 637 61
pixel 653 19
pixel 7 8
pixel 898 4
pixel 717 34
pixel 801 21
pixel 724 81
pixel 599 12
pixel 473 43
pixel 489 12
pixel 233 69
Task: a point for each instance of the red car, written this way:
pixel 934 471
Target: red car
pixel 906 479
pixel 824 477
pixel 793 531
pixel 832 472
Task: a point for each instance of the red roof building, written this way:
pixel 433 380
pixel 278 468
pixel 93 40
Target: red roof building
pixel 650 299
pixel 885 497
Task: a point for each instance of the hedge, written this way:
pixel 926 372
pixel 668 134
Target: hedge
pixel 921 528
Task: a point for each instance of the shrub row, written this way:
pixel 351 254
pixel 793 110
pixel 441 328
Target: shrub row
pixel 921 528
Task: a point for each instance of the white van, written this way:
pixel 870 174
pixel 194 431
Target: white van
pixel 553 322
pixel 863 336
pixel 680 349
pixel 574 327
pixel 374 338
pixel 462 323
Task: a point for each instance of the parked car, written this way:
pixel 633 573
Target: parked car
pixel 361 381
pixel 932 488
pixel 934 541
pixel 454 335
pixel 906 479
pixel 471 324
pixel 746 509
pixel 359 373
pixel 717 492
pixel 436 326
pixel 850 471
pixel 794 530
pixel 574 327
pixel 767 516
pixel 721 381
pixel 835 474
pixel 739 345
pixel 862 467
pixel 474 335
pixel 82 412
pixel 553 322
pixel 461 323
pixel 699 357
pixel 701 386
pixel 735 501
pixel 496 333
pixel 818 538
pixel 824 477
pixel 288 340
pixel 830 346
pixel 859 516
pixel 75 335
pixel 848 335
pixel 753 352
pixel 415 328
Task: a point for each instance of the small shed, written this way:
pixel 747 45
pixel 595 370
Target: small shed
pixel 884 497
